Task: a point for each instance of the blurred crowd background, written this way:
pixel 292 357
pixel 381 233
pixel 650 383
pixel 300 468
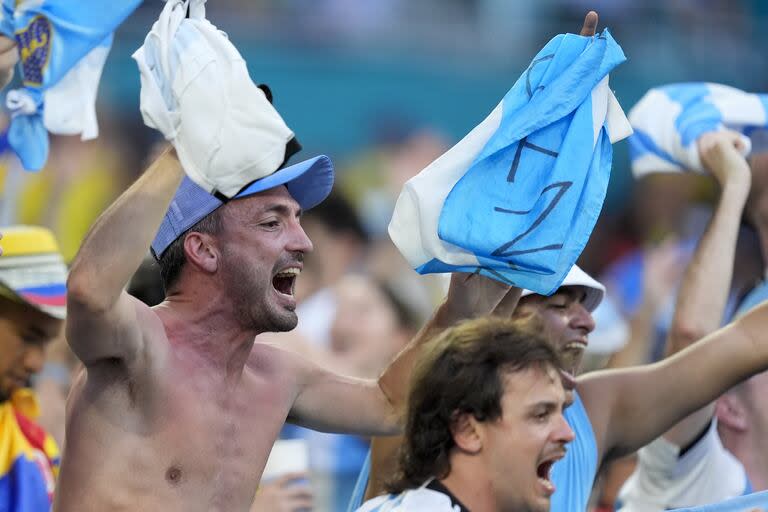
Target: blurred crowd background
pixel 384 87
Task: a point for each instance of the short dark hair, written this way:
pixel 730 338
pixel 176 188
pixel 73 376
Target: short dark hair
pixel 173 258
pixel 461 371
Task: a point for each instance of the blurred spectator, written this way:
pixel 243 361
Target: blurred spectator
pixel 284 485
pixel 371 325
pixel 80 180
pixel 688 466
pixel 32 294
pixel 375 178
pixel 337 235
pixel 742 412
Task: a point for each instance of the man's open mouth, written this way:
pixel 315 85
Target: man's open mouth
pixel 544 473
pixel 285 280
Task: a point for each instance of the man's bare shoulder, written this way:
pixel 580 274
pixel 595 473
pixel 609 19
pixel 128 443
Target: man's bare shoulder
pixel 267 356
pixel 270 359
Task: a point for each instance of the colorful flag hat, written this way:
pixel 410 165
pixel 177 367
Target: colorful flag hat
pixel 32 269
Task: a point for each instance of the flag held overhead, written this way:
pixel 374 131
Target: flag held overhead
pixel 668 120
pixel 518 197
pixel 62 48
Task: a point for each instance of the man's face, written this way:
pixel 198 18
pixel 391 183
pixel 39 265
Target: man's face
pixel 566 322
pixel 262 250
pixel 24 334
pixel 520 448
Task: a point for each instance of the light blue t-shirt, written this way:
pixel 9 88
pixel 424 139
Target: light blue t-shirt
pixel 574 475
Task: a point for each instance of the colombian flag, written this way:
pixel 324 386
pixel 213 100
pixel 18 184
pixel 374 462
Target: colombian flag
pixel 29 458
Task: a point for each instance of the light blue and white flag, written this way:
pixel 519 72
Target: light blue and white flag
pixel 518 197
pixel 668 121
pixel 62 45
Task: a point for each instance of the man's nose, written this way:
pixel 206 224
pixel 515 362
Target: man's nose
pixel 34 359
pixel 300 242
pixel 564 433
pixel 583 319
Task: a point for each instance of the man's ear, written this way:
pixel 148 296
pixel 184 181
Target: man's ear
pixel 466 431
pixel 731 413
pixel 201 251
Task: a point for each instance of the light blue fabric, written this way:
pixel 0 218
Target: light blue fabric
pixel 6 18
pixel 573 476
pixel 52 37
pixel 668 120
pixel 757 295
pixel 362 482
pixel 740 504
pixel 529 201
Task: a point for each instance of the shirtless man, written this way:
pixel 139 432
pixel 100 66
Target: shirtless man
pixel 177 407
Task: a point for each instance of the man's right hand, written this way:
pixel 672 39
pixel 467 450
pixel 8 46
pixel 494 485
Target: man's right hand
pixel 285 494
pixel 722 155
pixel 474 295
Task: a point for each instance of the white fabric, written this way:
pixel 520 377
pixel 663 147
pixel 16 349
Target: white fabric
pixel 70 105
pixel 316 314
pixel 414 500
pixel 706 473
pixel 595 291
pixel 422 198
pixel 19 102
pixel 196 90
pixel 662 113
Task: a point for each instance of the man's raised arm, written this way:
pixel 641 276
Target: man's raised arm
pixel 329 402
pixel 698 311
pixel 665 392
pixel 704 291
pixel 102 319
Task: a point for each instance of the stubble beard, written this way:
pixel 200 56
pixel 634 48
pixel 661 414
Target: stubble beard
pixel 253 308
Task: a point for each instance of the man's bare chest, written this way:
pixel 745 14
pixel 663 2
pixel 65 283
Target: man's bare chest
pixel 211 425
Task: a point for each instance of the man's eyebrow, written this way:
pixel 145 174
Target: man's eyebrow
pixel 36 332
pixel 548 405
pixel 572 292
pixel 282 209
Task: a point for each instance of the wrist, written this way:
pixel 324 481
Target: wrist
pixel 444 315
pixel 736 188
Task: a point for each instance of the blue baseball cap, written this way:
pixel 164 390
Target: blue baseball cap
pixel 309 183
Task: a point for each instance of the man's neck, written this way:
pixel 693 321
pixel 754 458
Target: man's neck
pixel 209 329
pixel 468 482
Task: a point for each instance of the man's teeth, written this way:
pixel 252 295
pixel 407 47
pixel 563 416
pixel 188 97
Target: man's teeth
pixel 574 345
pixel 289 272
